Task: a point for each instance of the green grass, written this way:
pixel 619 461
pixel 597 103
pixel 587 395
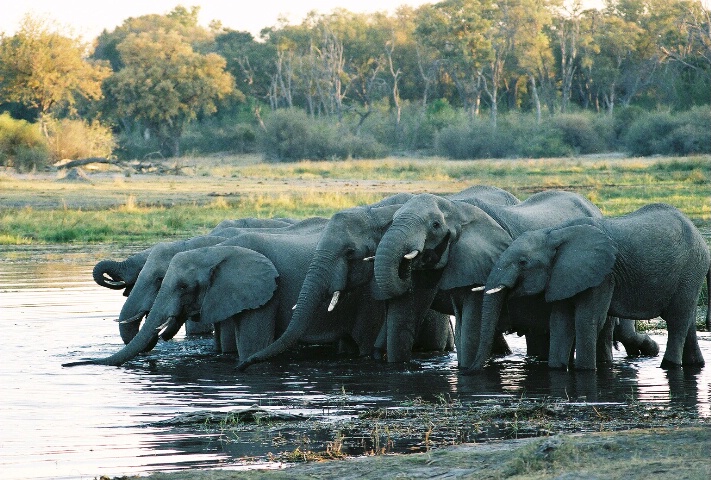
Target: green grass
pixel 147 208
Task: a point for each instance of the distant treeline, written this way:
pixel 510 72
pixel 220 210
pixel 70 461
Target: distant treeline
pixel 460 78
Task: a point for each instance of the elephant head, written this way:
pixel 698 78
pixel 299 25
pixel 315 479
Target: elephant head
pixel 343 261
pixel 453 243
pixel 214 283
pixel 148 283
pixel 559 262
pixel 120 275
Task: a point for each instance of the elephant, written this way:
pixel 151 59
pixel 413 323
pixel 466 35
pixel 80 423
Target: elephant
pixel 122 275
pixel 350 237
pixel 147 285
pixel 226 284
pixel 453 245
pixel 651 262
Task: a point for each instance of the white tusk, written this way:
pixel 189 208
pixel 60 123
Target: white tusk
pixel 294 307
pixel 495 290
pixel 412 254
pixel 369 259
pixel 334 300
pixel 479 288
pixel 163 326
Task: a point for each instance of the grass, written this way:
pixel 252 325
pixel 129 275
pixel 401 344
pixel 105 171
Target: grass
pixel 130 209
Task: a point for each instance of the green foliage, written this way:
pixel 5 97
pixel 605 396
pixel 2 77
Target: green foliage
pixel 292 135
pixel 22 145
pixel 665 133
pixel 42 69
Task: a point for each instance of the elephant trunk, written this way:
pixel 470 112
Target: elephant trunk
pixel 392 259
pixel 313 291
pixel 490 314
pixel 147 336
pixel 110 274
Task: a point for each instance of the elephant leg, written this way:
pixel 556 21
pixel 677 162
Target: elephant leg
pixel 635 343
pixel 435 333
pixel 196 328
pixel 380 345
pixel 591 308
pixel 604 342
pixel 228 336
pixel 562 336
pixel 692 353
pixel 255 329
pixel 538 343
pixel 470 330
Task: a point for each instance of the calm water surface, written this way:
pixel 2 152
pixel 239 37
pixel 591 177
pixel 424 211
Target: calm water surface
pixel 87 421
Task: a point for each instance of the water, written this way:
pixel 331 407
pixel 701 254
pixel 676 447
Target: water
pixel 87 421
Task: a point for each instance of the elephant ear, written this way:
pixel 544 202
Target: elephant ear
pixel 381 217
pixel 584 256
pixel 242 280
pixel 472 257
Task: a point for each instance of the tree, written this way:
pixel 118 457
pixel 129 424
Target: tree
pixel 42 70
pixel 165 84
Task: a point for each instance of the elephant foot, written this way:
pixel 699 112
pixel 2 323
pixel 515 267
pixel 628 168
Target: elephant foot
pixel 649 348
pixel 669 365
pixel 378 354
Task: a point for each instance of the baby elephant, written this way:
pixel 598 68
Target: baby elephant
pixel 649 263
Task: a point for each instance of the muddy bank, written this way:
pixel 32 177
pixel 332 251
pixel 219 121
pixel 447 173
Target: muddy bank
pixel 658 453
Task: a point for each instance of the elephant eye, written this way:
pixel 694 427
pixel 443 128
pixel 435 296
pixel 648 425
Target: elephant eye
pixel 523 262
pixel 436 225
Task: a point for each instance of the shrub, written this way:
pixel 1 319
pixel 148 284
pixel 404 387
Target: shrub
pixel 662 133
pixel 75 139
pixel 22 145
pixel 292 135
pixel 578 132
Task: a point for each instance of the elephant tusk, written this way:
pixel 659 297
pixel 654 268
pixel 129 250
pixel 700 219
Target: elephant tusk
pixel 334 300
pixel 480 288
pixel 294 307
pixel 369 259
pixel 163 326
pixel 412 254
pixel 135 318
pixel 495 290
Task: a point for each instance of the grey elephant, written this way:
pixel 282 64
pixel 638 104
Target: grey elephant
pixel 344 261
pixel 218 284
pixel 122 275
pixel 453 245
pixel 649 263
pixel 147 285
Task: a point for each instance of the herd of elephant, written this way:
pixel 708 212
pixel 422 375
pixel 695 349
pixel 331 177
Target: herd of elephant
pixel 384 279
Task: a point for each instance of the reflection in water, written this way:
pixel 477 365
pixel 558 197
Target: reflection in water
pixel 92 420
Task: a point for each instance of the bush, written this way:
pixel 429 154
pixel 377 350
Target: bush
pixel 22 145
pixel 292 135
pixel 662 133
pixel 74 139
pixel 578 132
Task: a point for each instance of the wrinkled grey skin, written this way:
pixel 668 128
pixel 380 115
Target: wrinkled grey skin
pixel 649 263
pixel 351 236
pixel 122 275
pixel 141 298
pixel 226 285
pixel 456 244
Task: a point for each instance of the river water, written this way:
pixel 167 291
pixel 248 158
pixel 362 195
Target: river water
pixel 87 421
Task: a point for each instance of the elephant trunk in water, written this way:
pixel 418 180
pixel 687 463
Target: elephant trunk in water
pixel 396 250
pixel 490 312
pixel 311 298
pixel 146 337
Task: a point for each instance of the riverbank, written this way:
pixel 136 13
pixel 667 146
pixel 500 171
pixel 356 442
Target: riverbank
pixel 660 453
